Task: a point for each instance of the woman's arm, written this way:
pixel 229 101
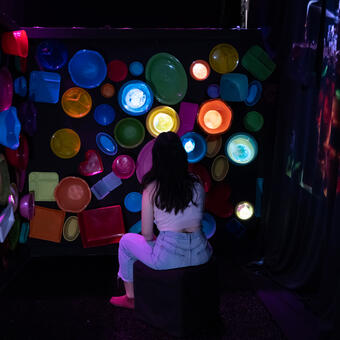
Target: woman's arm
pixel 147 213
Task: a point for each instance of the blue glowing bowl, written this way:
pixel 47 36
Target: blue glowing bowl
pixel 241 148
pixel 135 97
pixel 87 69
pixel 195 146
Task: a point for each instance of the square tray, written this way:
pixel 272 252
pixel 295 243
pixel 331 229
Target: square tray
pixel 43 185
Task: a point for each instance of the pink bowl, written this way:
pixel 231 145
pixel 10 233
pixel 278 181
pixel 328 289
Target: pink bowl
pixel 123 166
pixel 26 206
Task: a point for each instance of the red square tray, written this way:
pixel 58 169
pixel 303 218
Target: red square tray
pixel 101 226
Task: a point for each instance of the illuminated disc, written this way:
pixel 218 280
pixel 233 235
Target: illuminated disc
pixel 200 70
pixel 241 148
pixel 162 119
pixel 244 210
pixel 212 119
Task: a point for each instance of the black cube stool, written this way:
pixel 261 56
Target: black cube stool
pixel 181 301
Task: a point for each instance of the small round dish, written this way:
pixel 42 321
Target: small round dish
pixel 195 146
pixel 123 166
pixel 129 133
pixel 71 228
pixel 133 201
pixel 254 93
pixel 106 143
pixel 162 119
pixel 135 97
pixel 76 102
pixel 87 68
pixel 72 194
pixel 107 90
pixel 219 168
pixel 223 58
pixel 241 148
pixel 104 114
pixel 199 70
pixel 214 143
pixel 65 143
pixel 244 210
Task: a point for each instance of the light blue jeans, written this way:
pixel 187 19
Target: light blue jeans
pixel 170 250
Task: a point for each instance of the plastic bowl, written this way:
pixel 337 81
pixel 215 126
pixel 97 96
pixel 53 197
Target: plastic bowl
pixel 214 116
pixel 254 93
pixel 129 133
pixel 27 205
pixel 223 58
pixel 87 69
pixel 10 128
pixel 241 148
pixel 136 68
pixel 135 97
pixel 199 70
pixel 106 143
pixel 76 102
pixel 123 166
pixel 195 146
pixel 208 225
pixel 104 114
pixel 72 194
pixel 133 201
pixel 107 90
pixel 65 143
pixel 162 119
pixel 51 55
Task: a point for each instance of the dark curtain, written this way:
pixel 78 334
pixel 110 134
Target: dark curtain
pixel 301 224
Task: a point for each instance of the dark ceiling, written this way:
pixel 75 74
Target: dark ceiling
pixel 139 14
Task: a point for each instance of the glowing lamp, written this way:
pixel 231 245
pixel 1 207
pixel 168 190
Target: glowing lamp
pixel 195 146
pixel 244 210
pixel 214 116
pixel 200 70
pixel 162 119
pixel 189 144
pixel 135 97
pixel 241 148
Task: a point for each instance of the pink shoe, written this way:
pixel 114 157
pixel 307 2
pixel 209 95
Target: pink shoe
pixel 123 301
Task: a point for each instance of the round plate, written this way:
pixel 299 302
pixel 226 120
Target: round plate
pixel 106 143
pixel 117 70
pixel 214 116
pixel 65 143
pixel 241 148
pixel 123 166
pixel 76 102
pixel 72 194
pixel 208 225
pixel 219 168
pixel 199 70
pixel 254 93
pixel 167 77
pixel 104 114
pixel 135 97
pixel 162 119
pixel 87 69
pixel 133 201
pixel 71 228
pixel 200 146
pixel 253 121
pixel 129 133
pixel 144 160
pixel 223 58
pixel 51 55
pixel 214 143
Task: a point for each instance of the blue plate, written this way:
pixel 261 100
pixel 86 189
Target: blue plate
pixel 195 146
pixel 135 97
pixel 136 68
pixel 208 225
pixel 254 93
pixel 133 201
pixel 106 143
pixel 104 114
pixel 87 69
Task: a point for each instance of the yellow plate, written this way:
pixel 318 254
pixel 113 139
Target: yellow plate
pixel 162 119
pixel 214 144
pixel 71 228
pixel 223 58
pixel 219 168
pixel 65 143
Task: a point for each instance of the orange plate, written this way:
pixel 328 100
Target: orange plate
pixel 72 194
pixel 221 108
pixel 47 224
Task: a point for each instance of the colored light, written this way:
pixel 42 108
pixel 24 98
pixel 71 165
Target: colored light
pixel 189 144
pixel 241 148
pixel 163 122
pixel 200 70
pixel 212 119
pixel 135 97
pixel 244 210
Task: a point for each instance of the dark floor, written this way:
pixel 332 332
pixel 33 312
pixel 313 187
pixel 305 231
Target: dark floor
pixel 67 298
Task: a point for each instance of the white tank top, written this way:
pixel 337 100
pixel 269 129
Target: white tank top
pixel 190 217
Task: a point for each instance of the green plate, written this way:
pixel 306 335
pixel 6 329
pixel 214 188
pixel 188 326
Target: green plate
pixel 167 78
pixel 129 133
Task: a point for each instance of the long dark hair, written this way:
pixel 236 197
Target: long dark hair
pixel 174 183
